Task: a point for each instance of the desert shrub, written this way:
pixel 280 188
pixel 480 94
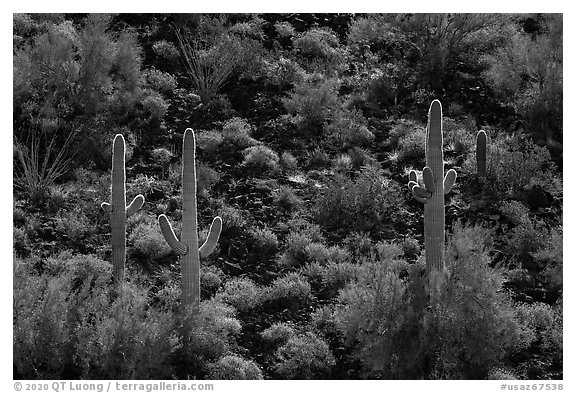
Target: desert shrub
pixel 546 324
pixel 166 49
pixel 285 198
pixel 328 279
pixel 342 164
pixel 410 248
pixel 318 159
pixel 283 72
pixel 234 367
pixel 526 74
pixel 361 205
pixel 237 132
pixel 206 177
pixel 304 356
pixel 265 241
pixel 74 225
pixel 515 212
pixel 288 162
pixel 210 280
pixel 284 29
pixel 241 293
pixel 359 243
pixel 456 137
pixel 348 128
pixel 160 81
pixel 209 141
pixel 361 157
pixel 260 159
pixel 456 324
pixel 522 241
pixel 147 242
pixel 290 291
pixel 92 82
pixel 514 164
pixel 278 334
pixel 318 252
pixel 295 253
pixel 411 146
pixel 551 256
pixel 312 100
pixel 320 48
pixel 233 217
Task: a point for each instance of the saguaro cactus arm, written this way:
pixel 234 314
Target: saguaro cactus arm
pixel 212 239
pixel 135 205
pixel 177 246
pixel 449 180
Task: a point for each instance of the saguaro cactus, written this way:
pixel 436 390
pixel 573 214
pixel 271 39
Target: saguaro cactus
pixel 118 209
pixel 187 247
pixel 435 186
pixel 481 154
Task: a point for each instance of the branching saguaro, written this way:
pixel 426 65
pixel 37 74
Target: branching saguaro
pixel 208 66
pixel 187 246
pixel 118 209
pixel 435 186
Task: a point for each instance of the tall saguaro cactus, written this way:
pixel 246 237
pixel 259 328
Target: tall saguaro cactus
pixel 118 209
pixel 481 141
pixel 435 186
pixel 187 246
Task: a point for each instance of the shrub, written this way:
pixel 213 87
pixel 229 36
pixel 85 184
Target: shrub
pixel 514 164
pixel 286 199
pixel 412 145
pixel 295 249
pixel 361 157
pixel 265 241
pixel 312 100
pixel 237 131
pixel 234 367
pixel 321 48
pixel 147 242
pixel 347 129
pixel 288 162
pixel 209 140
pixel 546 324
pixel 160 81
pixel 260 159
pixel 305 356
pixel 361 205
pixel 278 334
pixel 318 158
pixel 241 293
pixel 455 324
pixel 290 291
pixel 284 29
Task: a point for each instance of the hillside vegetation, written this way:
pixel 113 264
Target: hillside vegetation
pixel 308 129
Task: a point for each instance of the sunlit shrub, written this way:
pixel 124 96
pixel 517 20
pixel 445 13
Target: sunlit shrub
pixel 290 291
pixel 260 159
pixel 361 205
pixel 234 367
pixel 278 333
pixel 347 129
pixel 237 131
pixel 305 356
pixel 147 242
pixel 241 293
pixel 265 241
pixel 313 101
